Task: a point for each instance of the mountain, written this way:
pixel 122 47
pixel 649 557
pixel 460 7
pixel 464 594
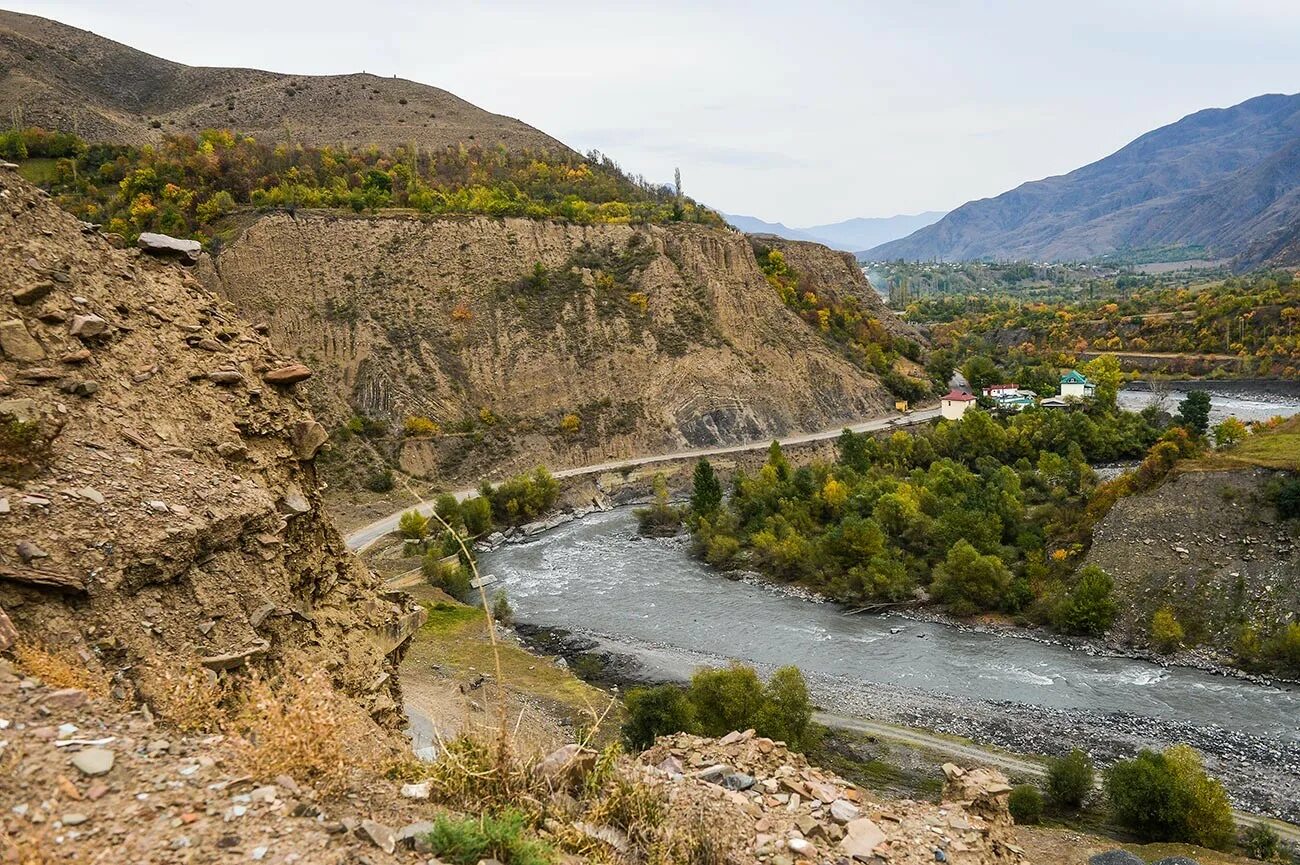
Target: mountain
pixel 59 77
pixel 850 235
pixel 1222 179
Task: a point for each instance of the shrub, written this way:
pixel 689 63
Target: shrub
pixel 1168 797
pixel 726 699
pixel 969 582
pixel 419 426
pixel 786 714
pixel 655 712
pixel 446 506
pixel 1070 779
pixel 1261 842
pixel 1285 496
pixel 503 837
pixel 452 577
pixel 501 610
pixel 570 424
pixel 59 668
pixel 476 515
pixel 1228 432
pixel 659 519
pixel 524 497
pixel 1283 648
pixel 380 481
pixel 413 526
pixel 1026 804
pixel 1088 608
pixel 1166 632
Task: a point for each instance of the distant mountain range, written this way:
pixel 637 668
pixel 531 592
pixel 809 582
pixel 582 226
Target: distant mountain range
pixel 1224 179
pixel 851 235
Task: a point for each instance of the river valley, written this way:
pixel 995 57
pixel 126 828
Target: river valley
pixel 664 614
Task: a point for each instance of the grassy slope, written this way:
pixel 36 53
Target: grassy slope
pixel 1274 449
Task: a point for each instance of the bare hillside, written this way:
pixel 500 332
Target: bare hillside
pixel 644 337
pixel 60 77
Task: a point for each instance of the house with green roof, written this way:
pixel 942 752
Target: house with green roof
pixel 1076 384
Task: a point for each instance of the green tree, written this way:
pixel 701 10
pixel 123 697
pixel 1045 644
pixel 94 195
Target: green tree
pixel 1194 412
pixel 1166 632
pixel 476 515
pixel 706 490
pixel 1168 797
pixel 446 506
pixel 413 526
pixel 1088 608
pixel 1228 432
pixel 655 712
pixel 969 582
pixel 786 714
pixel 726 699
pixel 1070 779
pixel 1105 373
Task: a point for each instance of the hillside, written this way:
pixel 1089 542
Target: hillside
pixel 850 235
pixel 1215 181
pixel 540 341
pixel 59 77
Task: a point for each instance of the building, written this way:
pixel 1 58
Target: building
pixel 1017 401
pixel 954 404
pixel 1054 402
pixel 1076 384
pixel 996 391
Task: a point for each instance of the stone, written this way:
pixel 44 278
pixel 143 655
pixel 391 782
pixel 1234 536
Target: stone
pixel 22 410
pixel 738 781
pixel 226 377
pixel 187 251
pixel 294 502
pixel 861 837
pixel 287 375
pixel 157 506
pixel 417 791
pixel 81 355
pixel 307 437
pixel 378 834
pixel 237 659
pixel 91 494
pixel 844 811
pixel 8 633
pixel 32 293
pixel 209 344
pixel 94 761
pixel 17 343
pixel 233 451
pixel 570 763
pixel 413 836
pixel 266 794
pixel 802 847
pixel 1115 857
pixel 74 818
pixel 87 326
pixel 65 698
pixel 28 551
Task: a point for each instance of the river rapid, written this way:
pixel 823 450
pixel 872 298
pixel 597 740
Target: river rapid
pixel 663 613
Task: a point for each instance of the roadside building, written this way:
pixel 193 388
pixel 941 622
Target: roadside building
pixel 954 404
pixel 1076 384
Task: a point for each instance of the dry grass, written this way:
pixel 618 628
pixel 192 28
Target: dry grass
pixel 59 668
pixel 186 699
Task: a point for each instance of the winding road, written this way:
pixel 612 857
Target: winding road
pixel 360 539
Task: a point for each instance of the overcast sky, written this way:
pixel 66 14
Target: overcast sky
pixel 799 112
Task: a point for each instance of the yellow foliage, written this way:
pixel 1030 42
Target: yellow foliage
pixel 570 424
pixel 419 426
pixel 639 300
pixel 486 417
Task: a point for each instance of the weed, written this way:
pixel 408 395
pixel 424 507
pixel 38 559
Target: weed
pixel 59 668
pixel 501 837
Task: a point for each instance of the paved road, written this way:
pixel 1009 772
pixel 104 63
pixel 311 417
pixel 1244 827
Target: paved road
pixel 366 535
pixel 1017 765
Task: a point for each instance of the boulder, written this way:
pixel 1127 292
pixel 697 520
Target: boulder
pixel 413 836
pixel 17 343
pixel 568 764
pixel 307 437
pixel 22 410
pixel 94 761
pixel 87 326
pixel 287 375
pixel 844 811
pixel 163 245
pixel 1115 857
pixel 861 837
pixel 378 834
pixel 32 293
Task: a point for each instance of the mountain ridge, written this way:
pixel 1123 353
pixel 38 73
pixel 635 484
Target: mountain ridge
pixel 849 235
pixel 1220 178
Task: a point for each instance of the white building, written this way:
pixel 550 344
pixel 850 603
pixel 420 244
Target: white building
pixel 1076 384
pixel 954 404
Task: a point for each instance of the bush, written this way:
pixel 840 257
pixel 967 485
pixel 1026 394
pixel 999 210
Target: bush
pixel 468 840
pixel 1026 804
pixel 501 610
pixel 1283 648
pixel 1285 496
pixel 969 582
pixel 1168 797
pixel 570 424
pixel 522 498
pixel 380 481
pixel 476 514
pixel 659 519
pixel 1166 632
pixel 413 526
pixel 733 698
pixel 655 712
pixel 1261 842
pixel 786 714
pixel 1070 780
pixel 452 577
pixel 1088 608
pixel 419 426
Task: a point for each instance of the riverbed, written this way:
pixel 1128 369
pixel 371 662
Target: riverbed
pixel 1247 400
pixel 652 602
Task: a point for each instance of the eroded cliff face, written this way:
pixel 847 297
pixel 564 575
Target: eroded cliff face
pixel 653 337
pixel 158 498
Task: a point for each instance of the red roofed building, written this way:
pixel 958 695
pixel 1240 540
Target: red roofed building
pixel 953 404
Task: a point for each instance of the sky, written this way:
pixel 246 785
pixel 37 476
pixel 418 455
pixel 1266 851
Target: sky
pixel 797 112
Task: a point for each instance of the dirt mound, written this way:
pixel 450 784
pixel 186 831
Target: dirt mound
pixel 158 496
pixel 800 812
pixel 64 78
pixel 650 337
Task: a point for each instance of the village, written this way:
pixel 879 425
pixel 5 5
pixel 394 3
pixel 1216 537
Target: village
pixel 1075 388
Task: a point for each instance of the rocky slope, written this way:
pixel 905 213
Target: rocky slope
pixel 59 77
pixel 1219 178
pixel 1208 545
pixel 159 507
pixel 651 337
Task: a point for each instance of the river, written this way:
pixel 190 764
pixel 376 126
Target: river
pixel 651 601
pixel 1244 400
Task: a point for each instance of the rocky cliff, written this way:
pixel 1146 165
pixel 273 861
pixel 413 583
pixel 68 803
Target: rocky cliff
pixel 158 497
pixel 532 341
pixel 1208 545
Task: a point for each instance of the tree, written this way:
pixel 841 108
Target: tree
pixel 660 519
pixel 1168 797
pixel 1228 432
pixel 1070 779
pixel 1105 372
pixel 413 526
pixel 969 582
pixel 1194 412
pixel 726 699
pixel 655 712
pixel 476 514
pixel 980 372
pixel 786 714
pixel 706 491
pixel 1088 608
pixel 1206 813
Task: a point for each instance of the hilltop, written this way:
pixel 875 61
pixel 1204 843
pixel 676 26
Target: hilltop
pixel 60 77
pixel 1210 185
